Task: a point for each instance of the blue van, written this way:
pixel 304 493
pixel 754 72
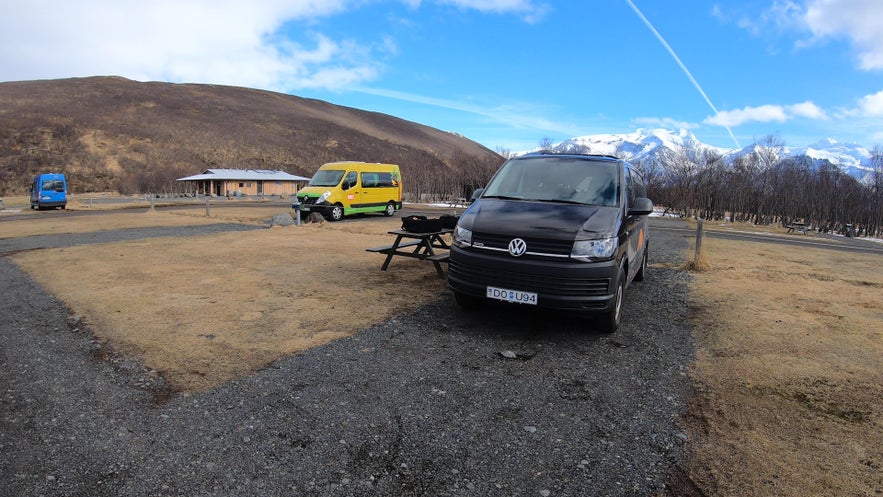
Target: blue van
pixel 49 191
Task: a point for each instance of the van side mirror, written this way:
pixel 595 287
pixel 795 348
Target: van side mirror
pixel 477 193
pixel 641 207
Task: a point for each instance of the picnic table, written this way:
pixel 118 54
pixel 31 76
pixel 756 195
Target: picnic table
pixel 417 246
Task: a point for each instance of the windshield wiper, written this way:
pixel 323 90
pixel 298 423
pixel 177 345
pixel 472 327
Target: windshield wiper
pixel 503 197
pixel 559 201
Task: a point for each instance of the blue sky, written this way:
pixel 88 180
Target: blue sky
pixel 505 73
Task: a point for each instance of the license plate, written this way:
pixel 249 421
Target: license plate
pixel 511 295
pixel 305 208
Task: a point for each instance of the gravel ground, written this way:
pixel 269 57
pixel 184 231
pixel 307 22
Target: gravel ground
pixel 499 402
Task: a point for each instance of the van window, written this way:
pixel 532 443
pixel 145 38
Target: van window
pixel 350 180
pixel 640 188
pixel 557 179
pixel 369 180
pixel 377 180
pixel 635 186
pixel 327 177
pixel 630 186
pixel 53 185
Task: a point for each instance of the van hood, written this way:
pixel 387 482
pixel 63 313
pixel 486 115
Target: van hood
pixel 314 191
pixel 531 219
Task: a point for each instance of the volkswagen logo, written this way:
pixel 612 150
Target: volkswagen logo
pixel 517 247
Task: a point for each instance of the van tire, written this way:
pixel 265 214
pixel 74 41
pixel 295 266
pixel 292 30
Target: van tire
pixel 390 209
pixel 609 321
pixel 336 213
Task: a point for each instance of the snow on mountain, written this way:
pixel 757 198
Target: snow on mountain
pixel 646 144
pixel 852 158
pixel 643 144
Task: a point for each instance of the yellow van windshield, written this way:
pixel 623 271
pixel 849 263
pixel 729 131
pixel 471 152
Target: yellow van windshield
pixel 327 177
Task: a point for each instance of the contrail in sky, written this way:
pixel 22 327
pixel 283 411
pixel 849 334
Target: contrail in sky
pixel 683 67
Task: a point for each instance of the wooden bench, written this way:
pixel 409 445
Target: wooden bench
pixel 437 260
pixel 798 227
pixel 423 244
pixel 445 257
pixel 388 248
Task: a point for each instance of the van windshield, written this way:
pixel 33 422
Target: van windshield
pixel 327 177
pixel 557 179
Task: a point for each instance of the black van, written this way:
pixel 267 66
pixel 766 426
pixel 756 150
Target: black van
pixel 565 232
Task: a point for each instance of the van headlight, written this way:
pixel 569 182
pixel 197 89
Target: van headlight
pixel 593 249
pixel 462 236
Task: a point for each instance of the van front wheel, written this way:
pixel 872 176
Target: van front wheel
pixel 609 321
pixel 390 209
pixel 337 213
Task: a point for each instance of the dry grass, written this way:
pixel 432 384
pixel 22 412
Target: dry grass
pixel 202 310
pixel 117 220
pixel 789 372
pixel 133 216
pixel 80 201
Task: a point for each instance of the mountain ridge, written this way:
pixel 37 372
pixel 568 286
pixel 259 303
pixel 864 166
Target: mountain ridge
pixel 109 133
pixel 648 143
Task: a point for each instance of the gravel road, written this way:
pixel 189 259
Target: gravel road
pixel 504 401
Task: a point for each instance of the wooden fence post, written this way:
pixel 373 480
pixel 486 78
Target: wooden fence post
pixel 700 233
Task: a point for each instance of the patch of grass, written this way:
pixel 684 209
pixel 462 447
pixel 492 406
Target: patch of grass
pixel 203 310
pixel 789 372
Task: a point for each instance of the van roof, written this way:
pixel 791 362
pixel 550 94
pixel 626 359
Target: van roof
pixel 572 155
pixel 342 162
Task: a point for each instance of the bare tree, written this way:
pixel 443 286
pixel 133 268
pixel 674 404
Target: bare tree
pixel 875 222
pixel 545 144
pixel 505 153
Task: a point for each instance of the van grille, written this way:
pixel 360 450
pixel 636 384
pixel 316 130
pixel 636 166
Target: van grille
pixel 555 248
pixel 543 284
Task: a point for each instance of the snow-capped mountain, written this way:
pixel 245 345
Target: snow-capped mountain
pixel 641 145
pixel 852 158
pixel 647 144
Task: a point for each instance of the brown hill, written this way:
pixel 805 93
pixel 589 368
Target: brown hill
pixel 114 134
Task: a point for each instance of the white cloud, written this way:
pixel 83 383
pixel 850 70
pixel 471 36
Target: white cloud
pixel 766 113
pixel 516 116
pixel 224 41
pixel 872 105
pixel 663 122
pixel 806 109
pixel 763 113
pixel 859 21
pixel 199 41
pixel 531 11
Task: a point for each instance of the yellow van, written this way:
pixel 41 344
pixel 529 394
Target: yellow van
pixel 343 188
